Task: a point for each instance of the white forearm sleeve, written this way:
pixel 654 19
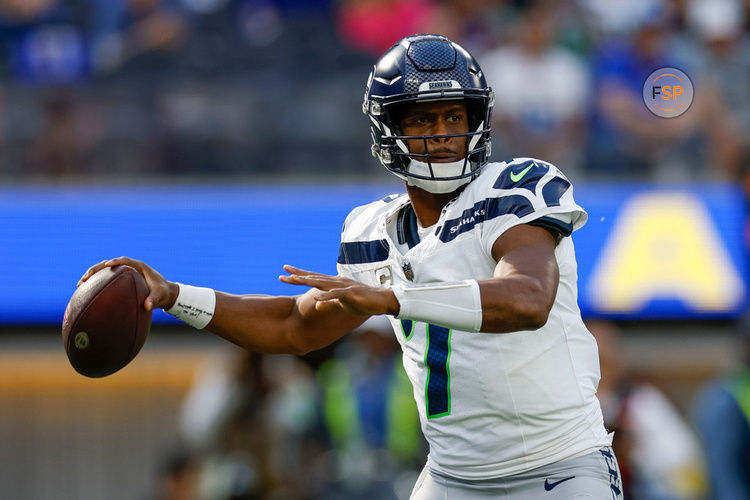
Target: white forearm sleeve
pixel 453 305
pixel 194 305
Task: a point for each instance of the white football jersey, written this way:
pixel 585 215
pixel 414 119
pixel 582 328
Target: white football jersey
pixel 491 405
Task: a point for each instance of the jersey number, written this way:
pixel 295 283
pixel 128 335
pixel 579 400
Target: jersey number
pixel 437 357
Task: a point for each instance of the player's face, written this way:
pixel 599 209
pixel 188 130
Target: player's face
pixel 437 118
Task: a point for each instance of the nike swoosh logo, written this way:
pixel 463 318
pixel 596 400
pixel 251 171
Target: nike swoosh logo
pixel 548 486
pixel 517 176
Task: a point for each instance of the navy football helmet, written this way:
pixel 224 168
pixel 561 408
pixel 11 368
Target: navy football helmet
pixel 425 68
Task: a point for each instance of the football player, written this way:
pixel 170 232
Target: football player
pixel 475 267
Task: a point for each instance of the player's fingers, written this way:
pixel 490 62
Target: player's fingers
pixel 328 305
pixel 344 298
pixel 301 272
pixel 91 271
pixel 156 298
pixel 111 263
pixel 292 279
pixel 344 302
pixel 153 278
pixel 300 280
pixel 334 293
pixel 322 282
pixel 123 261
pixel 152 300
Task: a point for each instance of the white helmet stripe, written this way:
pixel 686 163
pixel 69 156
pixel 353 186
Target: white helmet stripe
pixel 401 144
pixel 475 139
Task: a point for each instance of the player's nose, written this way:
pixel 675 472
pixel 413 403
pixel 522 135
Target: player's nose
pixel 440 127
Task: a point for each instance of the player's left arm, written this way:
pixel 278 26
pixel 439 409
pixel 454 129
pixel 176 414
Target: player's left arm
pixel 520 294
pixel 518 297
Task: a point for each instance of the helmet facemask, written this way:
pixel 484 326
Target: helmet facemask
pixel 418 169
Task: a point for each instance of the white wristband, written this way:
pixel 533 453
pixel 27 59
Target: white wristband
pixel 453 305
pixel 194 305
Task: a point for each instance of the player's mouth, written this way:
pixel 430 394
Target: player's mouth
pixel 444 156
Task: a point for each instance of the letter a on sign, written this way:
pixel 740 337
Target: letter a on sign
pixel 664 246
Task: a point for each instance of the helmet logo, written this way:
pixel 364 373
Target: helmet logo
pixel 441 85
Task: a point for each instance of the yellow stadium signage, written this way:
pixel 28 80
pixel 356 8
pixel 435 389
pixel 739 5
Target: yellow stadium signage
pixel 664 246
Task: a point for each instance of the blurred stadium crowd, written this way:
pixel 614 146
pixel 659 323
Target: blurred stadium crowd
pixel 266 88
pixel 341 423
pixel 174 90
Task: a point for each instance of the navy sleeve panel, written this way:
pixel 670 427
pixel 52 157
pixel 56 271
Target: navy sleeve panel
pixel 362 252
pixel 557 227
pixel 553 191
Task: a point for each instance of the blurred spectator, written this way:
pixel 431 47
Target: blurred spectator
pixel 721 412
pixel 4 158
pixel 371 417
pixel 374 25
pixel 658 453
pixel 620 143
pixel 144 37
pixel 44 41
pixel 261 425
pixel 626 140
pixel 57 150
pixel 246 417
pixel 612 18
pixel 541 92
pixel 479 24
pixel 201 87
pixel 177 477
pixel 720 54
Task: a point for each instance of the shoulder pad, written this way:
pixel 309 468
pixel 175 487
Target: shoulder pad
pixel 364 215
pixel 526 173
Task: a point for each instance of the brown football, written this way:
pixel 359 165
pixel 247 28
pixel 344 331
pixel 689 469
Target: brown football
pixel 105 324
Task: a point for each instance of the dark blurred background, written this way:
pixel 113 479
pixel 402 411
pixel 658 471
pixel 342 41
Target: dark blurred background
pixel 107 105
pixel 145 89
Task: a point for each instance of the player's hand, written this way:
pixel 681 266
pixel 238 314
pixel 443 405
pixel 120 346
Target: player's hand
pixel 162 293
pixel 344 293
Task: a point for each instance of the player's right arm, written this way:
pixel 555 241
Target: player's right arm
pixel 279 324
pixel 262 323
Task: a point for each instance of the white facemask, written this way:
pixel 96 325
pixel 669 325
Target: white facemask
pixel 437 186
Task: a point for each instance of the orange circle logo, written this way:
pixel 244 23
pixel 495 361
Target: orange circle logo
pixel 668 92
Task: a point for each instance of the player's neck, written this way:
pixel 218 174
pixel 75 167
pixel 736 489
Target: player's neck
pixel 428 206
